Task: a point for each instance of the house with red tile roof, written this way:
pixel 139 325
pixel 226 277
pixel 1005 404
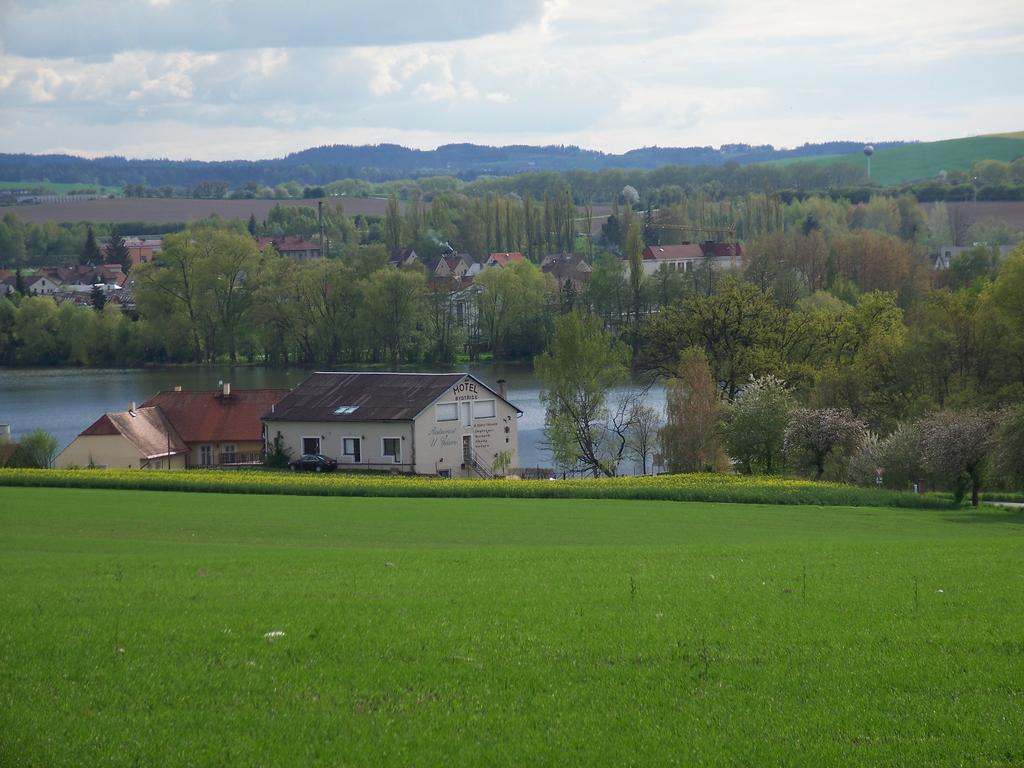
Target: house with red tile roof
pixel 503 259
pixel 221 426
pixel 177 430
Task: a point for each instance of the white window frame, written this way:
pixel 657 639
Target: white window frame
pixel 206 455
pixel 229 449
pixel 352 455
pixel 302 444
pixel 494 409
pixel 437 413
pixel 396 459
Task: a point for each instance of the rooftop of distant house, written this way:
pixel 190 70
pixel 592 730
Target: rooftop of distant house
pixel 287 244
pixel 707 249
pixel 504 258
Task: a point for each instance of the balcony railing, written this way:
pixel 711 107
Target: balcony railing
pixel 237 459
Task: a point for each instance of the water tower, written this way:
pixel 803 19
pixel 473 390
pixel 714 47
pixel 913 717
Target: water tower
pixel 869 150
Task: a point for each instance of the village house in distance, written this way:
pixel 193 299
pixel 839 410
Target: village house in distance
pixel 447 424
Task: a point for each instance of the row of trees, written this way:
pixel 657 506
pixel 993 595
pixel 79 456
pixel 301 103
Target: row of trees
pixel 595 420
pixel 212 294
pixel 555 220
pixel 850 318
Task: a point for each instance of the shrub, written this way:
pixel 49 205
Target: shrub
pixel 279 454
pixel 901 456
pixel 36 450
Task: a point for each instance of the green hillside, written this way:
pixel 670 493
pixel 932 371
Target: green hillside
pixel 913 162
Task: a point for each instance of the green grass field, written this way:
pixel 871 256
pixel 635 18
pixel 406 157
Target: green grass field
pixel 134 631
pixel 914 162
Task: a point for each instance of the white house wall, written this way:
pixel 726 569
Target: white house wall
pixel 439 443
pixel 371 434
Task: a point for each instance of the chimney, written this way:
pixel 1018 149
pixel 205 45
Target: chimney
pixel 177 388
pixel 503 388
pixel 227 388
pixel 131 406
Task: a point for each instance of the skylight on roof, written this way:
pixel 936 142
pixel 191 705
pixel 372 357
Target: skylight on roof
pixel 342 410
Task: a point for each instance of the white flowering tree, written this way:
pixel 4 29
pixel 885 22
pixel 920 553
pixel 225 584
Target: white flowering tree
pixel 815 434
pixel 956 445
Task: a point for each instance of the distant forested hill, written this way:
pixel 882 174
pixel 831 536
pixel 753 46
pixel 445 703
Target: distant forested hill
pixel 383 162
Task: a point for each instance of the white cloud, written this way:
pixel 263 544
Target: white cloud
pixel 214 79
pixel 91 27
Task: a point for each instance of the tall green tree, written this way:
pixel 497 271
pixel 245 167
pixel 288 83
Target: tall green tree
pixel 607 290
pixel 634 256
pixel 116 251
pixel 577 373
pixel 393 224
pixel 511 306
pixel 692 438
pixel 228 265
pixel 90 253
pixel 393 308
pixel 737 327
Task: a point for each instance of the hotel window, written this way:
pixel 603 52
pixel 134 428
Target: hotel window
pixel 447 411
pixel 391 447
pixel 350 447
pixel 483 409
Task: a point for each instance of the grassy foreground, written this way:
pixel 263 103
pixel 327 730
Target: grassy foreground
pixel 693 487
pixel 138 629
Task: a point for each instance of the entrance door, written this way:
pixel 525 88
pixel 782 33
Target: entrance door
pixel 467 449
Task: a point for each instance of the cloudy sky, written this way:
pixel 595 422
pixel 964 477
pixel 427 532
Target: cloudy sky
pixel 218 79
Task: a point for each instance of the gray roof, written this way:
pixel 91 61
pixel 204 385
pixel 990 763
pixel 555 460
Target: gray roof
pixel 376 396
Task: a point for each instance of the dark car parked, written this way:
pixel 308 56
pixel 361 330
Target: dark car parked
pixel 314 462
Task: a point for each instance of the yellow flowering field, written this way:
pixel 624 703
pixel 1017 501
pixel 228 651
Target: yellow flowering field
pixel 688 487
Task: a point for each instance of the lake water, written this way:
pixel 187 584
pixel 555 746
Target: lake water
pixel 64 401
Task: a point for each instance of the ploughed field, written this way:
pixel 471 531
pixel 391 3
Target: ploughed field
pixel 164 628
pixel 179 210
